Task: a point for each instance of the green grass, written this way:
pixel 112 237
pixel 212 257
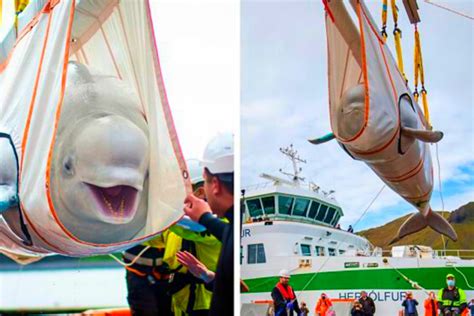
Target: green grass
pixel 461 219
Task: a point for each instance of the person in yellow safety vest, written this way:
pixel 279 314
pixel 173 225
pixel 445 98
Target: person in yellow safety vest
pixel 149 278
pixel 451 299
pixel 191 295
pixel 157 284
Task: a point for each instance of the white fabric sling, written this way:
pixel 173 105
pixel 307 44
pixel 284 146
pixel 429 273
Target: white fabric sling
pixel 115 37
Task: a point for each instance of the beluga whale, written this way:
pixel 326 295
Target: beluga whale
pixel 100 161
pixel 375 118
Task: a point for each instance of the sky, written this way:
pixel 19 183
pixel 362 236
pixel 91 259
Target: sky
pixel 198 44
pixel 284 101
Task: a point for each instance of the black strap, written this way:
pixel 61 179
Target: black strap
pixel 24 228
pixel 192 298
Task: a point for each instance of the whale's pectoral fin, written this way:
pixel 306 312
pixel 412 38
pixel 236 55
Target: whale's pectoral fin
pixel 8 197
pixel 417 222
pixel 323 139
pixel 423 135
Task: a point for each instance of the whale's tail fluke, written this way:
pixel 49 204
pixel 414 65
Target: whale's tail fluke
pixel 418 221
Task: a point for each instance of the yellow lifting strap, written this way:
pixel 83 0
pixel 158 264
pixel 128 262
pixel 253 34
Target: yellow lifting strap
pixel 384 19
pixel 397 34
pixel 20 5
pixel 420 75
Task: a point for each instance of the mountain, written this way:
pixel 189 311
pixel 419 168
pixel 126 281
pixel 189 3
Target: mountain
pixel 461 219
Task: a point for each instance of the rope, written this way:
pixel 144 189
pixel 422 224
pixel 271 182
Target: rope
pixel 450 10
pixel 414 284
pixel 134 259
pixel 355 224
pixel 465 279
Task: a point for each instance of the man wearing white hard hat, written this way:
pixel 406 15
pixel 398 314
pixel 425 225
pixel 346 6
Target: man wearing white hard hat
pixel 218 174
pixel 284 298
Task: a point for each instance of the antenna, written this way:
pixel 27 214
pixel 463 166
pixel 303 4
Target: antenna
pixel 292 154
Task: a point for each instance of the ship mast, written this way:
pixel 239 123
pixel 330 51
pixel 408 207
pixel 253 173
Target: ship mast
pixel 292 154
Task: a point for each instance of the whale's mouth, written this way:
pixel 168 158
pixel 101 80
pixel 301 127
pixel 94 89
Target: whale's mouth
pixel 117 204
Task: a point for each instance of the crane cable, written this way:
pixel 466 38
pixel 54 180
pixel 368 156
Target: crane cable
pixel 449 9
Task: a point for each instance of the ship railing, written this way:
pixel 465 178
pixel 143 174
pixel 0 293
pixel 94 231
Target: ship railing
pixel 460 253
pixel 434 253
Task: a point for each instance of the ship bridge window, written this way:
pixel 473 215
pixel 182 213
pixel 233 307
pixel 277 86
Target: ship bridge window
pixel 255 207
pixel 305 250
pixel 341 252
pixel 322 212
pixel 285 204
pixel 255 253
pixel 336 219
pixel 269 204
pixel 330 215
pixel 319 251
pixel 313 210
pixel 332 252
pixel 301 207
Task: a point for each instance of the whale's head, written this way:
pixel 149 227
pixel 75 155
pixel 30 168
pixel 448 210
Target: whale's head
pixel 350 112
pixel 100 164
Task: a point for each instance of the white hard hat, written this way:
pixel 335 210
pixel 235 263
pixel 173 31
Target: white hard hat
pixel 284 273
pixel 219 154
pixel 195 171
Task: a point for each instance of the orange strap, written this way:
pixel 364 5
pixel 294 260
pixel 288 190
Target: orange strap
pixel 135 271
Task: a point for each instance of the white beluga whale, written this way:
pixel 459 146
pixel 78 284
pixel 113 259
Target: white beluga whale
pixel 374 117
pixel 8 175
pixel 99 170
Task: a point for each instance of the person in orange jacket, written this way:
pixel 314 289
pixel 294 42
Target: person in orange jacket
pixel 323 305
pixel 431 305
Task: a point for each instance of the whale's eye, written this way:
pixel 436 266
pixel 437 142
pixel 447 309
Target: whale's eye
pixel 68 167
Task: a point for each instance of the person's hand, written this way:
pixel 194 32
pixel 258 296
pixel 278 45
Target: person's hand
pixel 196 267
pixel 289 305
pixel 194 207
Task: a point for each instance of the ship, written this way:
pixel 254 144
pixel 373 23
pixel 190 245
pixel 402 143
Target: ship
pixel 292 224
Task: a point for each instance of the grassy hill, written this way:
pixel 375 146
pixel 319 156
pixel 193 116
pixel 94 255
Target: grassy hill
pixel 461 219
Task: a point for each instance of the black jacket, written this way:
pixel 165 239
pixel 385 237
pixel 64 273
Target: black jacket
pixel 223 293
pixel 368 306
pixel 279 303
pixel 357 312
